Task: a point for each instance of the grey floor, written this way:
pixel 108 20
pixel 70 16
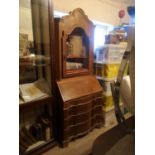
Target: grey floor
pixel 83 145
pixel 80 146
pixel 124 146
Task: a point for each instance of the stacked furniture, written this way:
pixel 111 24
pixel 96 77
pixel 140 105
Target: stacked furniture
pixel 106 67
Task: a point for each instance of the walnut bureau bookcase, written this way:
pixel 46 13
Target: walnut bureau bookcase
pixel 79 95
pixel 36 36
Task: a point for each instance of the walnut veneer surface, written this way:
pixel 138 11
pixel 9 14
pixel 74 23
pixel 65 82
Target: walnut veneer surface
pixel 78 95
pixel 81 106
pixel 78 86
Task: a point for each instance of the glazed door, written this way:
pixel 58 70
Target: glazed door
pixel 75 53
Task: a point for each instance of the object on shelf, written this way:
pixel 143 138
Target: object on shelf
pixel 42 129
pixel 76 45
pixel 131 11
pixel 33 59
pixel 27 74
pixel 37 131
pixel 23 41
pixel 111 53
pixel 34 132
pixel 26 47
pixel 121 13
pixel 107 70
pixel 25 138
pixel 38 143
pixel 35 90
pixel 116 36
pixel 46 126
pixel 27 133
pixel 74 65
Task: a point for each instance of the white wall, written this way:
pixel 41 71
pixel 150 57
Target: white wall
pixel 99 10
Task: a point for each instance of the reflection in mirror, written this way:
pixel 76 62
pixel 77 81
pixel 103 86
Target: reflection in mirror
pixel 34 41
pixel 25 27
pixel 27 73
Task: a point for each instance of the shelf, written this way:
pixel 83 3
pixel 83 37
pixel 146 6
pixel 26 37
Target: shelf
pixel 41 146
pixel 26 80
pixel 33 64
pixel 40 101
pixel 36 77
pixel 76 57
pixel 76 71
pixel 33 57
pixel 107 62
pixel 106 79
pixel 34 60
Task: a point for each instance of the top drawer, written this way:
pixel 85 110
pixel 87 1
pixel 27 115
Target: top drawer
pixel 78 102
pixel 82 105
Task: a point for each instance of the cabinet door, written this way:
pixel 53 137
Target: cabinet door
pixel 76 32
pixel 36 133
pixel 34 49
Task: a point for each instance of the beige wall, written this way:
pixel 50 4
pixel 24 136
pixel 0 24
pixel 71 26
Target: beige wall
pixel 25 22
pixel 99 10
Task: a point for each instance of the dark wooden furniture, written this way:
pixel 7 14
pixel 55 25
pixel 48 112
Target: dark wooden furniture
pixel 80 106
pixel 79 95
pixel 74 36
pixel 36 62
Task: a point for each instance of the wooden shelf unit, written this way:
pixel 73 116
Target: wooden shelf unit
pixel 41 36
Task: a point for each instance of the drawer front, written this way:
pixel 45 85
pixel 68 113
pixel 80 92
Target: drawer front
pixel 78 109
pixel 76 102
pixel 77 130
pixel 78 106
pixel 82 105
pixel 76 119
pixel 82 115
pixel 82 128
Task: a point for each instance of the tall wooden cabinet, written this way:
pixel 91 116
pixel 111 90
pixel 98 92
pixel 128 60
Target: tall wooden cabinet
pixel 79 95
pixel 35 76
pixel 74 44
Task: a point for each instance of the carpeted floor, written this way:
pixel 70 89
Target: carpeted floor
pixel 125 146
pixel 116 141
pixel 80 146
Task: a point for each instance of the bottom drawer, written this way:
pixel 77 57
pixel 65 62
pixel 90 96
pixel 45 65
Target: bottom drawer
pixel 83 128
